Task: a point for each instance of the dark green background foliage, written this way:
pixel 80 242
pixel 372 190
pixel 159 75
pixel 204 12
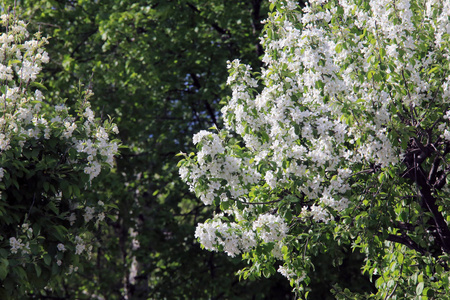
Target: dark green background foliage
pixel 158 68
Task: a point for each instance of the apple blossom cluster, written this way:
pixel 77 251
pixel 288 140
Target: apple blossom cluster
pixel 270 228
pixel 236 171
pixel 291 274
pixel 16 245
pixel 23 115
pixel 339 78
pixel 229 237
pixel 30 125
pixel 74 243
pixel 234 238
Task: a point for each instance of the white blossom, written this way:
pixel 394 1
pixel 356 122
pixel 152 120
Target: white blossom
pixel 79 248
pixel 89 213
pixel 16 244
pixel 270 228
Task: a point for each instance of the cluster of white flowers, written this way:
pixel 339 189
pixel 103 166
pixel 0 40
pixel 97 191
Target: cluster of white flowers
pixel 89 213
pixel 20 63
pixel 79 248
pixel 236 171
pixel 16 245
pixel 71 270
pixel 25 120
pixel 234 238
pixel 304 118
pixel 22 244
pixel 270 228
pixel 326 108
pixel 72 218
pixel 230 236
pixel 290 274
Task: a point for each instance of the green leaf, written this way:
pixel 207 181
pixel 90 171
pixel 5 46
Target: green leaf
pixel 20 272
pixel 47 259
pixel 381 177
pixel 419 288
pixel 52 206
pixel 4 267
pixel 433 70
pixel 55 269
pixel 14 61
pixel 271 6
pixel 38 270
pixel 76 191
pixel 400 258
pixel 38 85
pixel 382 53
pixel 46 186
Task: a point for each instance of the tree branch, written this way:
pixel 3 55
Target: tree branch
pixel 405 226
pixel 256 24
pixel 416 173
pixel 407 241
pixel 441 225
pixel 213 25
pixel 208 107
